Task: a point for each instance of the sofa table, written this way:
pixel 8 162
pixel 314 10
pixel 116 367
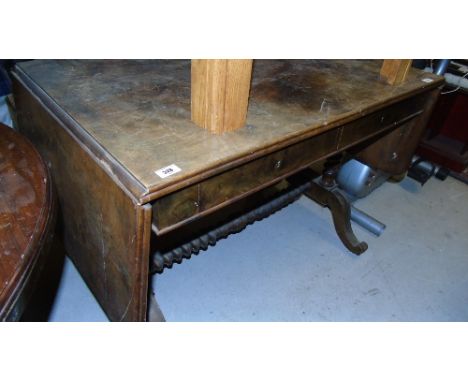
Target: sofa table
pixel 140 186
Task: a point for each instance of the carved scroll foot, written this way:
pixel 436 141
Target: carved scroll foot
pixel 341 213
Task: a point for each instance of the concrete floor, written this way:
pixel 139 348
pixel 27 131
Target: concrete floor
pixel 292 267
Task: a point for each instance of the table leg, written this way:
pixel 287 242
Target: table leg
pixel 341 213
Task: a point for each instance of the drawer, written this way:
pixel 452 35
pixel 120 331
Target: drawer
pixel 379 121
pixel 210 194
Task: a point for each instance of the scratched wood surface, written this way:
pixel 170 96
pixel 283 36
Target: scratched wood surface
pixel 105 233
pixel 138 112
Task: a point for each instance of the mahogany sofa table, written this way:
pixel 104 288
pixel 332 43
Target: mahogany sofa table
pixel 133 173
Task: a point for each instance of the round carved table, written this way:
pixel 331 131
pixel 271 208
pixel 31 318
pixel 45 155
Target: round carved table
pixel 27 220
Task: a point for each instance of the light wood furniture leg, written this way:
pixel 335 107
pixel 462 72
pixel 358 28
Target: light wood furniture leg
pixel 220 93
pixel 394 72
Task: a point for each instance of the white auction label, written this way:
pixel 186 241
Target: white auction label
pixel 167 171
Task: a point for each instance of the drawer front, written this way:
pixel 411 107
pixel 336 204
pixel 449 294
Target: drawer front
pixel 212 193
pixel 176 207
pixel 379 121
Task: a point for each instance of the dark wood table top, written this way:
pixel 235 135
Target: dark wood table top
pixel 135 115
pixel 26 216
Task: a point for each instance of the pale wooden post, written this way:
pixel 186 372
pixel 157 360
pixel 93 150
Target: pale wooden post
pixel 220 93
pixel 394 72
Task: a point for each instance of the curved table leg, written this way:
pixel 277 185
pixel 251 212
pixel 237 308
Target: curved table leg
pixel 341 213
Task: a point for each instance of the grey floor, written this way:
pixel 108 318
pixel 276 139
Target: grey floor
pixel 292 267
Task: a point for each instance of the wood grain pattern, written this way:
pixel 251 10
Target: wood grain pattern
pixel 394 72
pixel 105 127
pixel 105 233
pixel 220 93
pixel 393 152
pixel 27 216
pixel 139 111
pixel 375 123
pixel 172 210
